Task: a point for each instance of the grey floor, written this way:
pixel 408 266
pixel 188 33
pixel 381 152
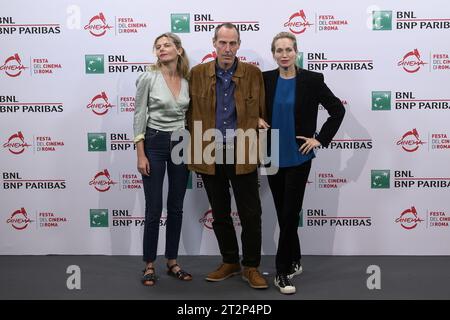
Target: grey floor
pixel 324 277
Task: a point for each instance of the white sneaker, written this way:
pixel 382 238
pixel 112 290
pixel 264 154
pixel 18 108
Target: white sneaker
pixel 285 285
pixel 296 269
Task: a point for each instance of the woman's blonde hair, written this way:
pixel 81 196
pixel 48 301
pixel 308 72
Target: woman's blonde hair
pixel 283 35
pixel 183 61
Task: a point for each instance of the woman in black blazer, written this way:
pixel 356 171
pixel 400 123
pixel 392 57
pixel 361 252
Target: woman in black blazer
pixel 293 96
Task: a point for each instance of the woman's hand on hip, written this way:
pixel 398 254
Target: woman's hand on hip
pixel 310 143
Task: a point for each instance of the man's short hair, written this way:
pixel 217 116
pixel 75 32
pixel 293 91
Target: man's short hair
pixel 227 25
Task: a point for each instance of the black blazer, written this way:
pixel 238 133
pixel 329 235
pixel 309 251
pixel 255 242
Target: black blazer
pixel 310 91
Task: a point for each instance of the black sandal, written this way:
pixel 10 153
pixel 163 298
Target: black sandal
pixel 148 279
pixel 180 274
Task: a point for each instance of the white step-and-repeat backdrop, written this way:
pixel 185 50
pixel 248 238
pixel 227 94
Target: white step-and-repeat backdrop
pixel 69 183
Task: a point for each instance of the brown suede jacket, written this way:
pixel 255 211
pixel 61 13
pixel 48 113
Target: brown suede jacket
pixel 250 105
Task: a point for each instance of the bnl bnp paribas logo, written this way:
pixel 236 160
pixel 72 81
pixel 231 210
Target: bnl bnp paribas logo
pixel 381 100
pixel 99 218
pixel 204 22
pixel 406 100
pixel 406 179
pixel 407 20
pixel 380 179
pixel 96 141
pixel 95 63
pixel 382 20
pixel 299 60
pixel 180 22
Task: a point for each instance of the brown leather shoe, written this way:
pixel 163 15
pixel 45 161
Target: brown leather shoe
pixel 225 271
pixel 254 278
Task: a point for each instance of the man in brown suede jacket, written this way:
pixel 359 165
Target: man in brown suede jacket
pixel 228 95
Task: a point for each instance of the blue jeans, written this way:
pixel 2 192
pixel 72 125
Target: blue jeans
pixel 157 146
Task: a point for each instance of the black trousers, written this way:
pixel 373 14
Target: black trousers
pixel 288 189
pixel 246 194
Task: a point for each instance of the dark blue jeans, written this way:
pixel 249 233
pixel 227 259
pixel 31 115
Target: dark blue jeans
pixel 157 146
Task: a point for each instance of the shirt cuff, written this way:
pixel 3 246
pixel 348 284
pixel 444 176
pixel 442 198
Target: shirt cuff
pixel 138 138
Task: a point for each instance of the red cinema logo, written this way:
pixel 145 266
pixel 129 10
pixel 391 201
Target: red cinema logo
pixel 207 219
pixel 297 22
pixel 409 219
pixel 19 219
pixel 13 66
pixel 410 141
pixel 97 25
pixel 16 143
pixel 209 57
pixel 411 61
pixel 100 104
pixel 102 181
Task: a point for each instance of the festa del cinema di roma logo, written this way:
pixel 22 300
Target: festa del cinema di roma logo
pixel 409 219
pixel 19 219
pixel 410 141
pixel 97 25
pixel 16 143
pixel 411 61
pixel 13 66
pixel 102 181
pixel 297 22
pixel 100 104
pixel 208 219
